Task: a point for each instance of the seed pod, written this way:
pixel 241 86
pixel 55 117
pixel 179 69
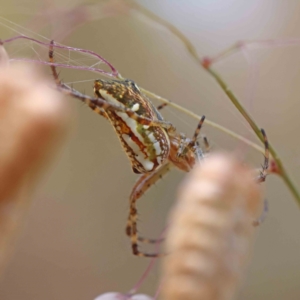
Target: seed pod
pixel 210 231
pixel 33 120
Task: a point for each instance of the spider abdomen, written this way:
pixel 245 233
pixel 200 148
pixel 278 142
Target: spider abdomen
pixel 146 146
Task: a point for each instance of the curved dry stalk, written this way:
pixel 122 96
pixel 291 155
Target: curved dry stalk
pixel 116 74
pixel 277 166
pixel 208 122
pixel 280 170
pixel 198 117
pixel 206 63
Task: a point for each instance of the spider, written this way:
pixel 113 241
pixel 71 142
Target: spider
pixel 151 144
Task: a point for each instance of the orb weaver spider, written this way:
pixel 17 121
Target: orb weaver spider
pixel 151 144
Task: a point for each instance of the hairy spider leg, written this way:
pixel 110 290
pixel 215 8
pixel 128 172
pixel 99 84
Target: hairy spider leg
pixel 197 131
pixel 102 104
pixel 143 179
pixel 161 106
pixel 144 182
pixel 206 144
pixel 263 214
pixel 59 83
pixel 205 140
pixel 262 177
pixel 264 172
pixel 142 185
pixel 194 142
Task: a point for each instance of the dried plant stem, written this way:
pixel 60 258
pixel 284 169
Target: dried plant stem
pixel 205 63
pixel 198 117
pixel 116 74
pixel 208 122
pixel 281 170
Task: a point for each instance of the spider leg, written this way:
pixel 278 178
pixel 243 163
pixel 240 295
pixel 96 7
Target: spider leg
pixel 144 182
pixel 161 106
pixel 142 185
pixel 60 84
pixel 199 153
pixel 263 215
pixel 262 177
pixel 51 60
pixel 197 131
pixel 194 142
pixel 103 104
pixel 206 144
pixel 263 173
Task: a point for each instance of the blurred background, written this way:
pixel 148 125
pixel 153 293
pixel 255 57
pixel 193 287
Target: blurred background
pixel 73 244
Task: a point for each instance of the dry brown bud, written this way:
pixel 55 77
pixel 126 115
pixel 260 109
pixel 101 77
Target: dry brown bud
pixel 32 122
pixel 210 233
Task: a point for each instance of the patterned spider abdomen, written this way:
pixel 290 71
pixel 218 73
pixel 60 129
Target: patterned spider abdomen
pixel 146 146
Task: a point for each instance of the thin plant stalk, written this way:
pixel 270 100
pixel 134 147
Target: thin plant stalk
pixel 116 74
pixel 278 167
pixel 206 63
pixel 208 122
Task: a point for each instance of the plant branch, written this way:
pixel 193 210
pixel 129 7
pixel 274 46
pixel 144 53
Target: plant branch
pixel 208 122
pixel 206 63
